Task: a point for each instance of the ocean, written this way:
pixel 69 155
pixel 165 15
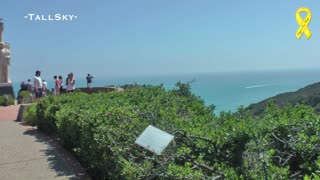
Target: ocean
pixel 227 91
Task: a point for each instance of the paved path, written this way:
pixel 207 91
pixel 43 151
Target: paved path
pixel 25 153
pixel 9 113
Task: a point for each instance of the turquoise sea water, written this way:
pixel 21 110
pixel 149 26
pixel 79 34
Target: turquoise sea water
pixel 227 91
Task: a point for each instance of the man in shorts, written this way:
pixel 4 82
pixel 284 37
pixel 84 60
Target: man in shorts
pixel 89 81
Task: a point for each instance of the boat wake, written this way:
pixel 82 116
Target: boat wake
pixel 257 86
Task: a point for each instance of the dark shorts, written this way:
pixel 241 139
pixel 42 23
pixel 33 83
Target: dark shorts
pixel 39 93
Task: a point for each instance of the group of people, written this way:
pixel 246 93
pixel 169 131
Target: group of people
pixel 70 84
pixel 39 87
pixel 58 84
pixel 36 89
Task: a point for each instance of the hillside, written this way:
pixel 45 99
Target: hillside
pixel 309 95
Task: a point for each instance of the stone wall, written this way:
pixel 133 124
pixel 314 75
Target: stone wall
pixel 22 109
pixel 99 89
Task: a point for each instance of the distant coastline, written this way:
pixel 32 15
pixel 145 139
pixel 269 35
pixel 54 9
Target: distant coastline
pixel 227 91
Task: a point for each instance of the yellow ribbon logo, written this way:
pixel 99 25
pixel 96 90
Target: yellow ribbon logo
pixel 303 23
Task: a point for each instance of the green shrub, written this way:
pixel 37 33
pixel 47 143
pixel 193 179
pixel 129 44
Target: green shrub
pixel 48 107
pixel 24 97
pixel 30 115
pixel 2 101
pixel 23 94
pixel 100 129
pixel 11 100
pixel 6 100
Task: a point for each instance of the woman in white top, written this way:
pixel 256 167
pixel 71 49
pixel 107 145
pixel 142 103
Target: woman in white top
pixel 71 83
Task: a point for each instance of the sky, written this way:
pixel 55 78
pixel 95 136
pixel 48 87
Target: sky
pixel 143 37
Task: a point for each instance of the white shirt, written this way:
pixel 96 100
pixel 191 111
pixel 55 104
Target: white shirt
pixel 45 84
pixel 38 82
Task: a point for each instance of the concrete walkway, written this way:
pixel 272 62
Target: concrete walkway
pixel 26 153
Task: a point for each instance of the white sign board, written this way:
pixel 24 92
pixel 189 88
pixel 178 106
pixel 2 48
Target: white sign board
pixel 154 139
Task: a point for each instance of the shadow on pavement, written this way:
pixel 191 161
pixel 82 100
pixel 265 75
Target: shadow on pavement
pixel 59 159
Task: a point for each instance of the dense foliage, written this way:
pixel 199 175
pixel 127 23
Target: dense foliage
pixel 128 86
pixel 24 97
pixel 6 100
pixel 30 116
pixel 23 94
pixel 100 129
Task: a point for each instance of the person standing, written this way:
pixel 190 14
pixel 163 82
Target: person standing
pixel 61 84
pixel 23 86
pixel 44 88
pixel 56 85
pixel 44 85
pixel 89 81
pixel 38 84
pixel 30 87
pixel 67 83
pixel 71 83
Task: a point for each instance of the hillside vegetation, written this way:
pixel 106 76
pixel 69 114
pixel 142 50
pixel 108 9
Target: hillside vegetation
pixel 309 95
pixel 100 130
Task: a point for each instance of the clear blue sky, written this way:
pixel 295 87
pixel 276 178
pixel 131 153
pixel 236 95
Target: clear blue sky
pixel 142 37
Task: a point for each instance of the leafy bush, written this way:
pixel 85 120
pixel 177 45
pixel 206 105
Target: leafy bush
pixel 11 100
pixel 6 100
pixel 24 97
pixel 47 108
pixel 100 129
pixel 2 101
pixel 30 115
pixel 24 94
pixel 128 86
